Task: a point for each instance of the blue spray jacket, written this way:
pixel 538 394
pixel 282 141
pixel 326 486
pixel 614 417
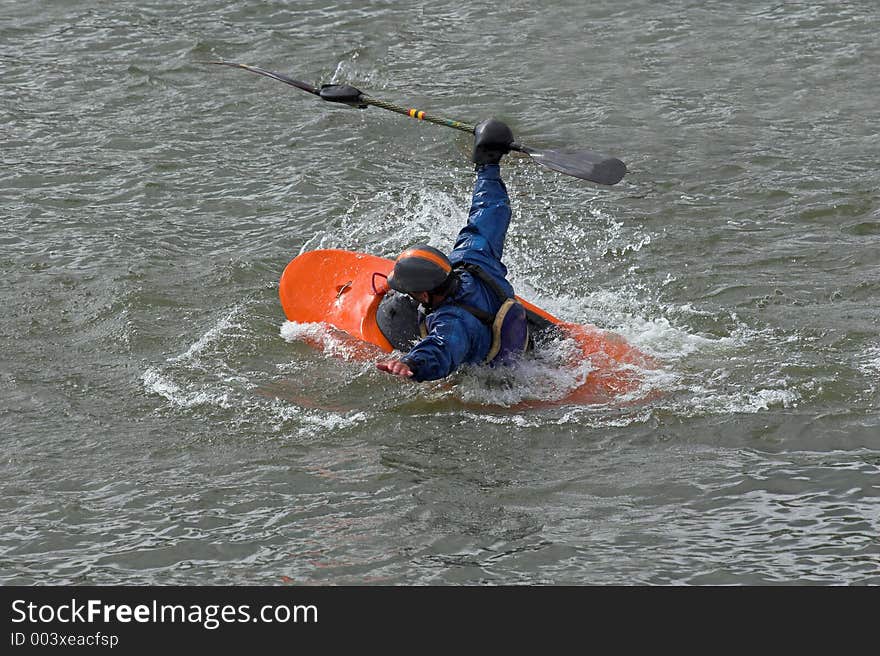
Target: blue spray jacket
pixel 455 336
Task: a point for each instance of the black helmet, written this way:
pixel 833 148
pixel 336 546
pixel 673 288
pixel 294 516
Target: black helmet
pixel 421 268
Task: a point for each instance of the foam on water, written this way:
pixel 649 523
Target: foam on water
pixel 328 339
pixel 547 375
pixel 211 336
pixel 188 396
pixel 393 219
pixel 350 71
pixel 707 401
pixel 205 378
pixel 278 415
pixel 870 362
pixel 870 366
pixel 609 243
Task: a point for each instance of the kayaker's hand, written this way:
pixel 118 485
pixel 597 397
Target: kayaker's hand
pixel 492 140
pixel 395 367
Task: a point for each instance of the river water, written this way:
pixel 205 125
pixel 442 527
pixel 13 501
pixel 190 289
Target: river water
pixel 163 424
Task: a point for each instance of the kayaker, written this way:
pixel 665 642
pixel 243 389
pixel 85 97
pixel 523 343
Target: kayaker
pixel 470 314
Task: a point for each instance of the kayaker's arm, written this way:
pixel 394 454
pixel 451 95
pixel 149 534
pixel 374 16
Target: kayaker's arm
pixel 489 216
pixel 395 367
pixel 455 335
pixel 446 347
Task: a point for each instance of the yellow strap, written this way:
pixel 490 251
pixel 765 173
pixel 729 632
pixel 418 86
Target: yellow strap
pixel 496 329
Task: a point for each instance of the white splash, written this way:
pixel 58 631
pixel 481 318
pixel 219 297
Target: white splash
pixel 212 335
pixel 870 362
pixel 157 383
pixel 746 402
pixel 330 340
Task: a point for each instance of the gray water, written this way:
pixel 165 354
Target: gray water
pixel 163 424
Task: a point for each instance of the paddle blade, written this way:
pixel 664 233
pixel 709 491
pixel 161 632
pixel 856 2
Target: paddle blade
pixel 270 74
pixel 583 164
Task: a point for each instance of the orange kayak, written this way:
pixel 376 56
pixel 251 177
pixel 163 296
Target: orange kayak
pixel 344 289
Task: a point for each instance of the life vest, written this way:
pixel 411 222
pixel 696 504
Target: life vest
pixel 509 325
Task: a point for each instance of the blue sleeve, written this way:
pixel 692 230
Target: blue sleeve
pixel 481 241
pixel 444 349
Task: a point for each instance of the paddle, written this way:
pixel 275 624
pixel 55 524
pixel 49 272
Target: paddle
pixel 583 164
